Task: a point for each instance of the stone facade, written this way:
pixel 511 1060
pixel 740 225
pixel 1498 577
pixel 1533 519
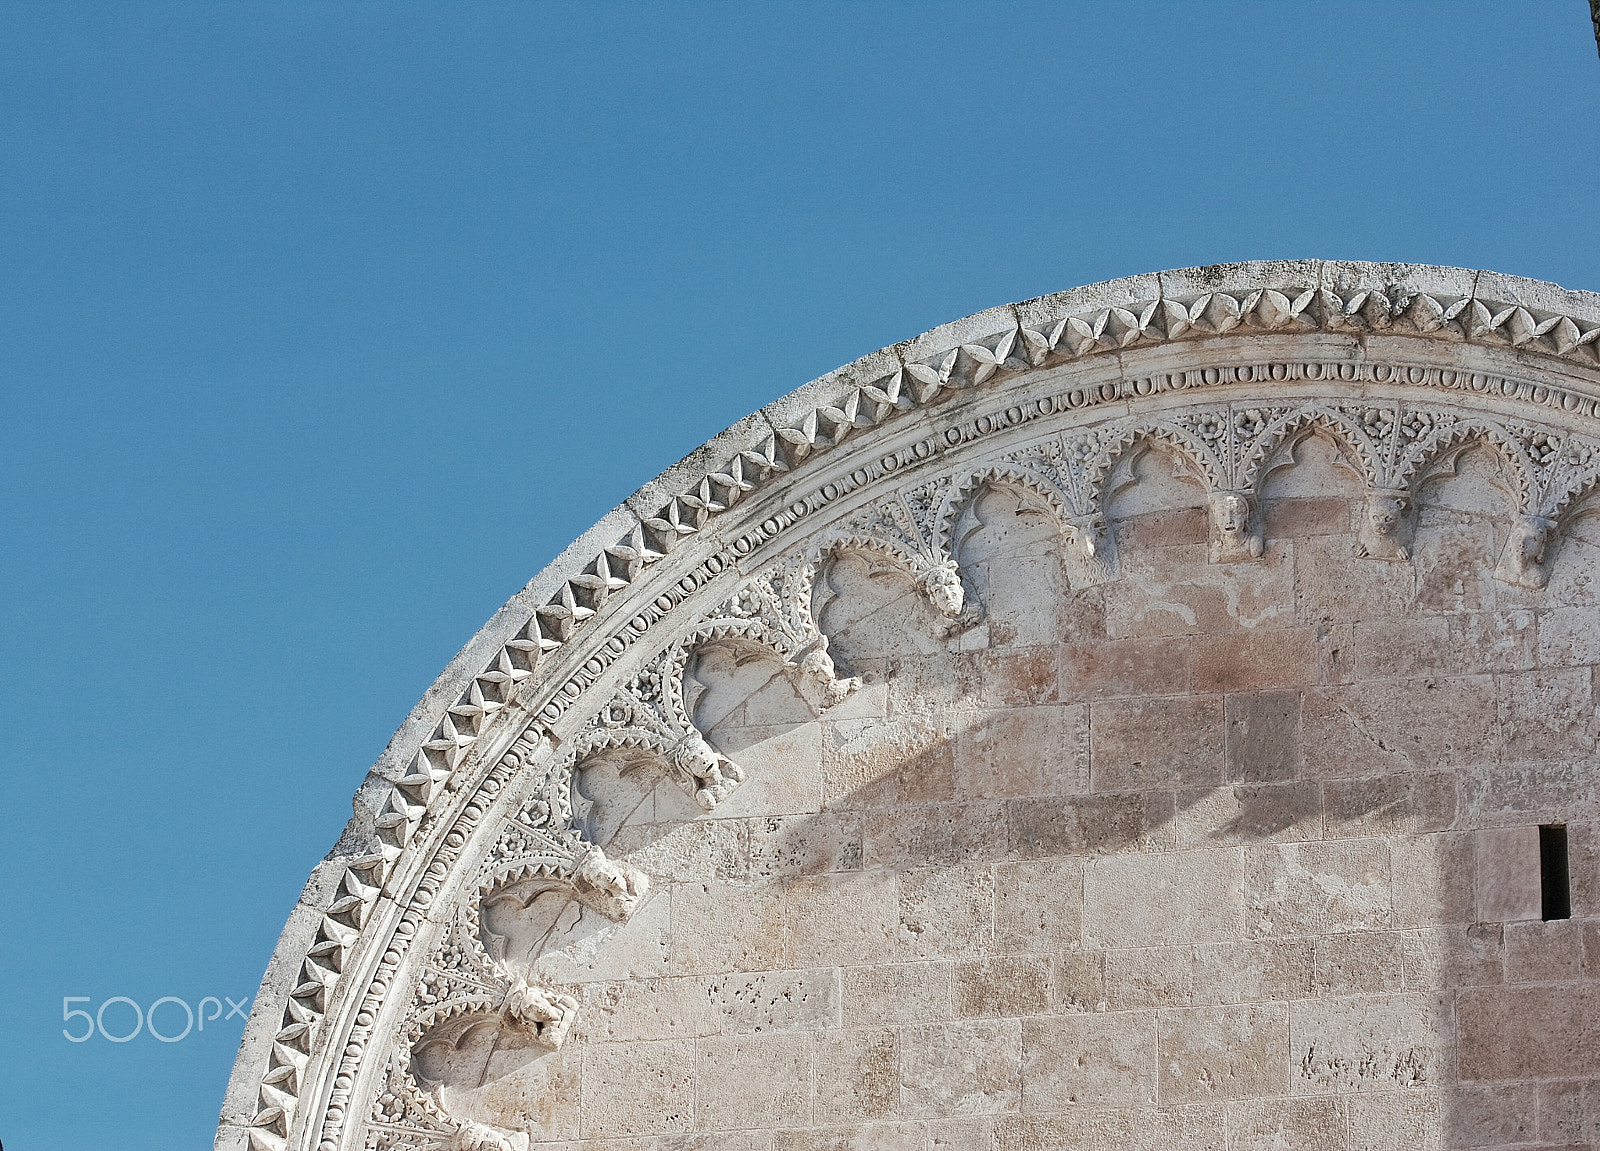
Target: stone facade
pixel 1122 720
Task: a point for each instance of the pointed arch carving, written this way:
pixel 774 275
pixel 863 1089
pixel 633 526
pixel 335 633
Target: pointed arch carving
pixel 1440 451
pixel 963 492
pixel 1268 438
pixel 901 531
pixel 1207 465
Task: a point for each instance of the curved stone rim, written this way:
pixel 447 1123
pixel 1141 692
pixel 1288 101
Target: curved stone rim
pixel 1532 318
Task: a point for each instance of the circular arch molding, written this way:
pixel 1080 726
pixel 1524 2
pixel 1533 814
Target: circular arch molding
pixel 385 952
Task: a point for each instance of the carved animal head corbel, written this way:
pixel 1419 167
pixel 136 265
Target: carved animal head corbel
pixel 1385 528
pixel 473 1136
pixel 548 1015
pixel 1235 528
pixel 1526 559
pixel 709 774
pixel 1091 550
pixel 613 888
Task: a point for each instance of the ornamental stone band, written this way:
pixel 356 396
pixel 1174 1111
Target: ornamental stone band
pixel 1157 715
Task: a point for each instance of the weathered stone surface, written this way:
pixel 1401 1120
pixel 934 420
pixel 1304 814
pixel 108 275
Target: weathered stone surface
pixel 968 1068
pixel 1508 874
pixel 1038 905
pixel 774 1076
pixel 946 912
pixel 897 992
pixel 1250 813
pixel 1358 963
pixel 1145 744
pixel 1122 720
pixel 1263 736
pixel 1002 985
pixel 1528 1032
pixel 1190 896
pixel 1274 1124
pixel 639 1088
pixel 1217 1053
pixel 840 919
pixel 1098 1059
pixel 856 1076
pixel 1312 888
pixel 1371 1043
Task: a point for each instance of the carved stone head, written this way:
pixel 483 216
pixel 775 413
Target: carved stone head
pixel 818 664
pixel 1383 526
pixel 613 888
pixel 1234 536
pixel 817 679
pixel 473 1136
pixel 942 585
pixel 713 774
pixel 1091 553
pixel 1089 537
pixel 1383 513
pixel 1526 560
pixel 548 1015
pixel 1234 514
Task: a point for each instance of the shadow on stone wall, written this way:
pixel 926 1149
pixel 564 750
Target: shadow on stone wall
pixel 1203 855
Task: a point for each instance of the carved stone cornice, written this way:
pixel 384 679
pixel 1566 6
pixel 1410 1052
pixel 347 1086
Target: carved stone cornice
pixel 1227 368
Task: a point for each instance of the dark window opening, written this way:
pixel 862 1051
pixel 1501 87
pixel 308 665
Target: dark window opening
pixel 1556 881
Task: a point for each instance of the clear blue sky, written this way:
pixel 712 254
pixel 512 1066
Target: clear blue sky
pixel 324 327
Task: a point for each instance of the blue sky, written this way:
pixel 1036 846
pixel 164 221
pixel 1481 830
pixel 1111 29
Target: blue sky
pixel 324 327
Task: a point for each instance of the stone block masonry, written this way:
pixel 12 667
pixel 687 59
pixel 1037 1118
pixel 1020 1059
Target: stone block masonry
pixel 1124 720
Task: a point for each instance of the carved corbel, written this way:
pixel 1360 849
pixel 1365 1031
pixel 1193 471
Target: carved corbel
pixel 703 771
pixel 1385 528
pixel 901 530
pixel 544 842
pixel 937 579
pixel 1236 535
pixel 468 978
pixel 548 1015
pixel 774 611
pixel 473 1136
pixel 940 584
pixel 1091 550
pixel 613 888
pixel 1525 562
pixel 816 678
pixel 651 715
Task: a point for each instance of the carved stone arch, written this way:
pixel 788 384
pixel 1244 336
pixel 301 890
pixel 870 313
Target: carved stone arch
pixel 1208 467
pixel 1028 395
pixel 1440 451
pixel 887 551
pixel 1578 484
pixel 963 493
pixel 937 580
pixel 1090 554
pixel 1268 442
pixel 1572 507
pixel 1113 470
pixel 772 615
pixel 899 533
pixel 1530 538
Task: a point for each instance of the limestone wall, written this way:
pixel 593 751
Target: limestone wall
pixel 1203 856
pixel 1125 720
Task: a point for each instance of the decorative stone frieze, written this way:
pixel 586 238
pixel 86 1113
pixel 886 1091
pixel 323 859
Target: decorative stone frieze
pixel 931 492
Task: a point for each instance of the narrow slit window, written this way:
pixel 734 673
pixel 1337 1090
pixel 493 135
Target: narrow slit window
pixel 1556 882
